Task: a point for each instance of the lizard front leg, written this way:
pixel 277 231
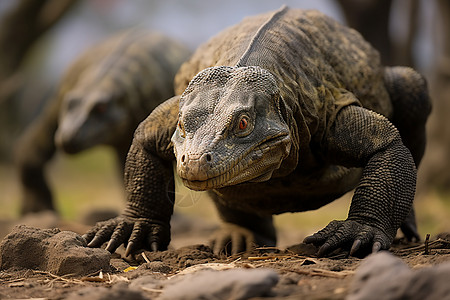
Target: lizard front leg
pixel 149 184
pixel 145 223
pixel 241 231
pixel 384 196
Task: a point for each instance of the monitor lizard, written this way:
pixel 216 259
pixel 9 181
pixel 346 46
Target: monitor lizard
pixel 283 112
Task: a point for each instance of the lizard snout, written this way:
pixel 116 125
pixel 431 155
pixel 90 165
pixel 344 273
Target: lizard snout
pixel 195 166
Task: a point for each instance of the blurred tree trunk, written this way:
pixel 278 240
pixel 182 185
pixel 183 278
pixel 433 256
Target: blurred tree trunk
pixel 20 28
pixel 403 50
pixel 436 171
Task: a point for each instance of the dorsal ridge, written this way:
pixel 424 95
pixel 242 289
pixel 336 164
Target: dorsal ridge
pixel 260 33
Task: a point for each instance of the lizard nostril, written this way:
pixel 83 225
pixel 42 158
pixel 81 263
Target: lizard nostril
pixel 208 157
pixel 183 158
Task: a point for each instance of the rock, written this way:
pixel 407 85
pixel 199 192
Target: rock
pixel 228 284
pixel 156 266
pixel 101 293
pixel 51 250
pixel 384 276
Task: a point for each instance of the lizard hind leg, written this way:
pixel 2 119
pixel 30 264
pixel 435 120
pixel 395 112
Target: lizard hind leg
pixel 409 95
pixel 241 231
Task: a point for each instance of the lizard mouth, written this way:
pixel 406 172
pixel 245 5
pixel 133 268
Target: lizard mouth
pixel 255 165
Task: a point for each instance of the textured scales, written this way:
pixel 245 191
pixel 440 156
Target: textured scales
pixel 204 147
pixel 283 112
pixel 102 98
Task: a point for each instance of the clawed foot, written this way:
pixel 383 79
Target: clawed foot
pixel 409 228
pixel 358 237
pixel 233 239
pixel 134 233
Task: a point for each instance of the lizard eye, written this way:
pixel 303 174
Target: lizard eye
pixel 243 123
pixel 100 108
pixel 244 126
pixel 181 129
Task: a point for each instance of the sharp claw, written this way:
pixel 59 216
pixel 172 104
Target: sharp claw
pixel 130 248
pixel 220 244
pixel 96 242
pixel 355 247
pixel 154 246
pixel 376 247
pixel 88 236
pixel 112 246
pixel 323 250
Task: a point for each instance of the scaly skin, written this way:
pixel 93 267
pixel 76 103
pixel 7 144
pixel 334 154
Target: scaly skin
pixel 284 112
pixel 102 98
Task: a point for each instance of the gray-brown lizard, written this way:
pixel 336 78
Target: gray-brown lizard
pixel 283 112
pixel 101 99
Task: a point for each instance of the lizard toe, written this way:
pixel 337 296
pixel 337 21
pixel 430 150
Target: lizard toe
pixel 158 237
pixel 360 239
pixel 320 237
pixel 233 239
pixel 120 235
pixel 102 233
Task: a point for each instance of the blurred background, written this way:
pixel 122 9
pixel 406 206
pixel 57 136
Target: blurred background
pixel 40 38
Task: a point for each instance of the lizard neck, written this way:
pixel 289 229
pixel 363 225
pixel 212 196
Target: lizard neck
pixel 254 50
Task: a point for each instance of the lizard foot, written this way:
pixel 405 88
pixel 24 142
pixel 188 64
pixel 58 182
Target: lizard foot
pixel 233 239
pixel 136 233
pixel 349 234
pixel 409 228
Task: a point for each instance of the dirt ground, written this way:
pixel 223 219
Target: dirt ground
pixel 301 275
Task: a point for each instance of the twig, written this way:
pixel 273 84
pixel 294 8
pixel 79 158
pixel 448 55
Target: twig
pixel 94 279
pixel 268 248
pixel 321 272
pixel 276 256
pixel 58 277
pixel 14 280
pixel 151 290
pixel 262 257
pixel 236 260
pixel 427 241
pixel 437 244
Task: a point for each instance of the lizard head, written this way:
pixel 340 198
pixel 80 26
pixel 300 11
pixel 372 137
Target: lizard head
pixel 93 112
pixel 230 128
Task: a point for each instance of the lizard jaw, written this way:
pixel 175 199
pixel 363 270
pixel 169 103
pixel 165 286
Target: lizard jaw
pixel 264 160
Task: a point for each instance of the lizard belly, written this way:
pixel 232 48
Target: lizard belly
pixel 293 193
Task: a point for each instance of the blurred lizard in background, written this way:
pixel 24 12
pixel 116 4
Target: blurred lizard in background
pixel 101 99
